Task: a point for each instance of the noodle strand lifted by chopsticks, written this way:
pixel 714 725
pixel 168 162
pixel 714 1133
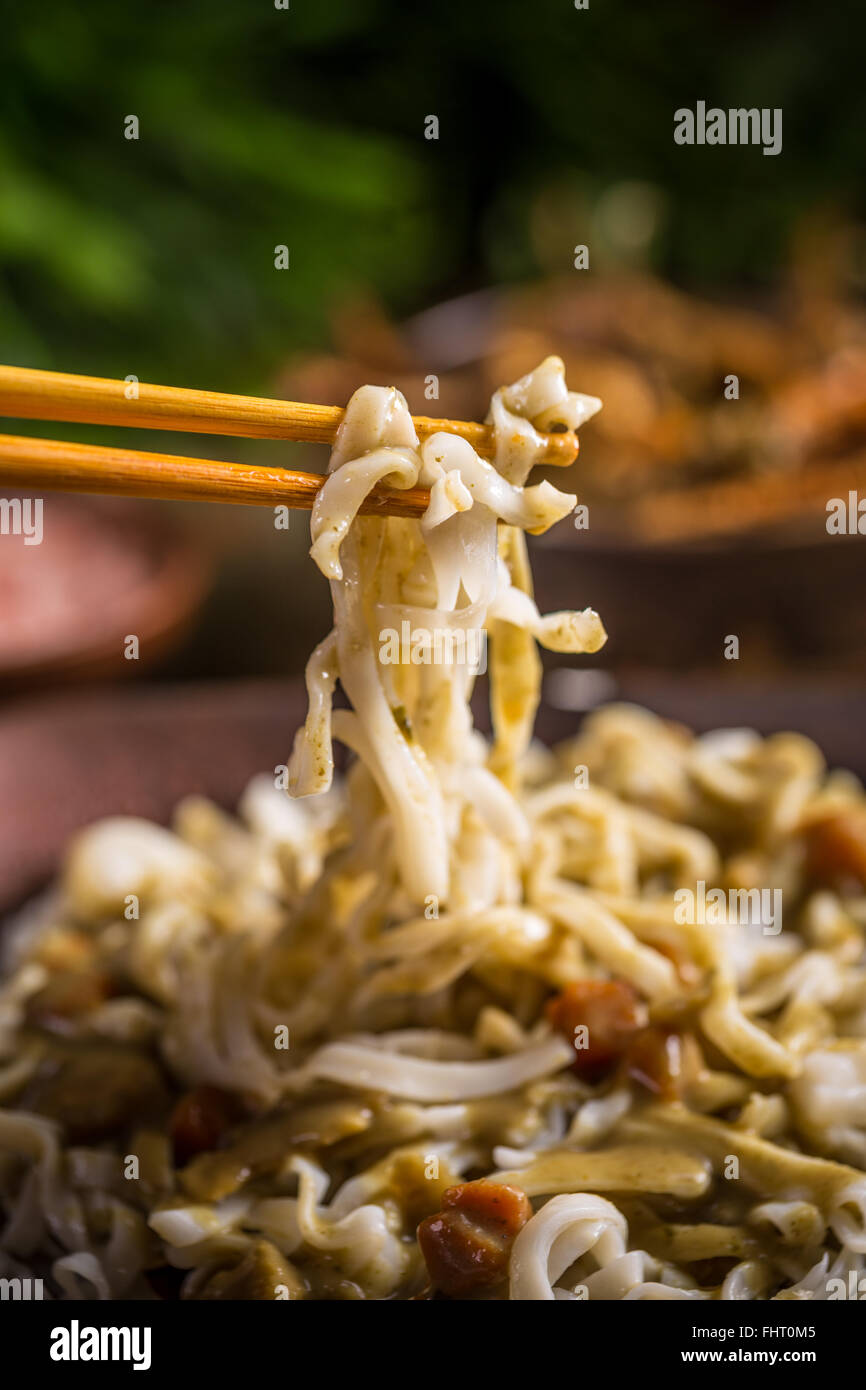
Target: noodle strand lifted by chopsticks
pixel 452 1026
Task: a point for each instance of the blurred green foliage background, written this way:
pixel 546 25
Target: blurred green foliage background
pixel 262 126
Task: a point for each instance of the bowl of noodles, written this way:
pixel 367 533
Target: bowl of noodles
pixel 479 1019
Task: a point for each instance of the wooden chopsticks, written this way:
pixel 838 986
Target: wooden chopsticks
pixel 35 395
pixel 53 465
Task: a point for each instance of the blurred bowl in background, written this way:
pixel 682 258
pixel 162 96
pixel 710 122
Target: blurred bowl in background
pixel 69 759
pixel 104 571
pixel 794 601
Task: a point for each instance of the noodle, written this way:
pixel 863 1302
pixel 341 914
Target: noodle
pixel 463 1023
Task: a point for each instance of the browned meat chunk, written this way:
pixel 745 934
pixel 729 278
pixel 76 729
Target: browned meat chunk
pixel 600 1017
pixel 663 1060
pixel 836 846
pixel 199 1120
pixel 467 1244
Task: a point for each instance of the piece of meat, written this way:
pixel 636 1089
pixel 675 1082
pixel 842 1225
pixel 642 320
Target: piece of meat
pixel 466 1245
pixel 199 1121
pixel 836 846
pixel 662 1060
pixel 262 1274
pixel 600 1017
pixel 95 1089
